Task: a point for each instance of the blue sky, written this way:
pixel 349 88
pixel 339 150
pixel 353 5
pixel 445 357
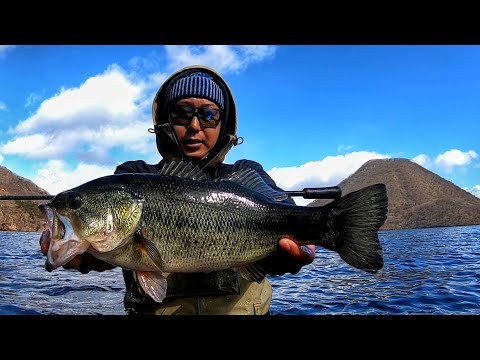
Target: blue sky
pixel 311 115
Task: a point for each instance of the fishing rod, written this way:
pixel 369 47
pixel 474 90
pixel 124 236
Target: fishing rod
pixel 27 197
pixel 330 192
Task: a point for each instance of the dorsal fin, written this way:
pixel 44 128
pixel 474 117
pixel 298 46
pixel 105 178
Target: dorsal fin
pixel 183 169
pixel 252 180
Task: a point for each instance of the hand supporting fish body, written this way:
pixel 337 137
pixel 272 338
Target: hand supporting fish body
pixel 177 221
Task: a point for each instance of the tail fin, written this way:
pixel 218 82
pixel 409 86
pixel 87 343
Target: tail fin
pixel 363 212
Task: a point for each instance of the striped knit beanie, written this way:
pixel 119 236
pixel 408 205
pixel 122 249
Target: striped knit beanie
pixel 197 84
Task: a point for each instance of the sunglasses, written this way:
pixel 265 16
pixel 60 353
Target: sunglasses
pixel 183 115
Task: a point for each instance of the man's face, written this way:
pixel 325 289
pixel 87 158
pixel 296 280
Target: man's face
pixel 197 125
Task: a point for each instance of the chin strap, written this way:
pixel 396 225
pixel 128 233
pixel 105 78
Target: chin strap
pixel 167 142
pixel 169 147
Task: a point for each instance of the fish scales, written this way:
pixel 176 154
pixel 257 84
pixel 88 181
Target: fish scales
pixel 208 226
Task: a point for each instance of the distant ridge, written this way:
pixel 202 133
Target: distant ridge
pixel 418 198
pixel 19 215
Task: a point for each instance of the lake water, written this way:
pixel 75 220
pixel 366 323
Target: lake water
pixel 426 271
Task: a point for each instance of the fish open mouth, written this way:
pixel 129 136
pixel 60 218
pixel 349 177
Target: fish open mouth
pixel 64 243
pixel 56 227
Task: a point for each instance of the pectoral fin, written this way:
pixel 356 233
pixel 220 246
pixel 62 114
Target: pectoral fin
pixel 149 247
pixel 154 284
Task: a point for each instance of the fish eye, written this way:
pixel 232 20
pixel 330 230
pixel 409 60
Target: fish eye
pixel 74 201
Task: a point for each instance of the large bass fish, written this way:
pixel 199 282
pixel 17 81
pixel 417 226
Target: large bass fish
pixel 177 221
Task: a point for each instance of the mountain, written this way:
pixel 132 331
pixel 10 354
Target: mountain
pixel 417 197
pixel 19 215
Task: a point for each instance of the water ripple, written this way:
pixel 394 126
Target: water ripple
pixel 426 271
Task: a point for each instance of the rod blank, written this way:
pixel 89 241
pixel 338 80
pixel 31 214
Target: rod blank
pixel 26 197
pixel 331 192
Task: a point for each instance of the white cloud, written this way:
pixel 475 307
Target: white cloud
pixel 3 106
pixel 110 97
pixel 145 63
pixel 39 145
pixel 55 177
pixel 157 79
pixel 422 160
pixel 223 58
pixel 32 99
pixel 344 148
pixel 102 113
pixel 475 190
pixel 327 172
pixel 451 158
pixel 4 49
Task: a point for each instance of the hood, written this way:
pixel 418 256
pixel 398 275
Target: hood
pixel 167 143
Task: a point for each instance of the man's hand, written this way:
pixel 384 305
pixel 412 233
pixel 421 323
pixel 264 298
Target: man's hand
pixel 83 262
pixel 290 258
